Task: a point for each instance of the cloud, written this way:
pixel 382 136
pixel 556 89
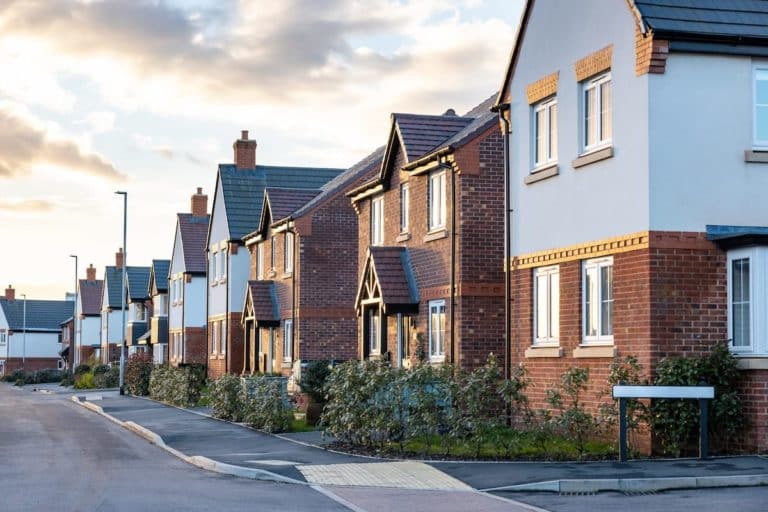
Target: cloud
pixel 100 122
pixel 27 206
pixel 25 145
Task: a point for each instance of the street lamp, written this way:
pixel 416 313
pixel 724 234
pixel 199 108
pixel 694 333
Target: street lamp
pixel 125 265
pixel 24 335
pixel 72 345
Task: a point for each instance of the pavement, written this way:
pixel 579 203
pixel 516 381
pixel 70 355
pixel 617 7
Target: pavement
pixel 298 458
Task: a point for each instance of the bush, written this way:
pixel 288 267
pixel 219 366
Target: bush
pixel 20 377
pixel 264 405
pixel 572 418
pixel 225 397
pixel 67 379
pixel 138 370
pixel 105 376
pixel 82 368
pixel 85 381
pixel 177 386
pixel 314 379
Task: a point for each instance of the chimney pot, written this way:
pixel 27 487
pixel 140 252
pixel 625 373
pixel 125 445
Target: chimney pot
pixel 10 293
pixel 199 203
pixel 90 274
pixel 119 258
pixel 245 152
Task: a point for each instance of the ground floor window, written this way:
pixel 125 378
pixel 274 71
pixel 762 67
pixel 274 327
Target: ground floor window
pixel 374 331
pixel 288 341
pixel 437 330
pixel 546 296
pixel 597 279
pixel 748 300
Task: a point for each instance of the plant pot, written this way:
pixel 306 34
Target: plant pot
pixel 314 412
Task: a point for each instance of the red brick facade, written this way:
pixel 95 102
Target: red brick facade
pixel 232 360
pixel 31 364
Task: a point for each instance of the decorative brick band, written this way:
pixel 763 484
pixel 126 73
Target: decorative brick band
pixel 650 53
pixel 594 63
pixel 463 290
pixel 606 247
pixel 542 88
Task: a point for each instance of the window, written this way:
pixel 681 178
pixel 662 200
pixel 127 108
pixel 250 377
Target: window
pixel 747 300
pixel 437 200
pixel 288 341
pixel 162 305
pixel 274 254
pixel 288 256
pixel 260 260
pixel 179 290
pixel 3 339
pixel 760 136
pixel 545 132
pixel 223 264
pixel 374 331
pixel 223 339
pixel 404 192
pixel 140 312
pixel 546 293
pixel 214 337
pixel 214 257
pixel 437 329
pixel 598 127
pixel 377 221
pixel 598 300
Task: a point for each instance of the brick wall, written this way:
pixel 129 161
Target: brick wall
pixel 195 346
pixel 31 363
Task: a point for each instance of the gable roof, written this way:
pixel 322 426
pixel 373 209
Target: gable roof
pixel 284 201
pixel 389 269
pixel 41 315
pixel 113 278
pixel 138 282
pixel 193 232
pixel 262 296
pixel 243 190
pixel 737 27
pixel 158 276
pixel 90 296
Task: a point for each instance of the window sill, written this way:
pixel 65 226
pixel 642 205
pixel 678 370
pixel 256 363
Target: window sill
pixel 595 155
pixel 543 351
pixel 751 362
pixel 438 234
pixel 403 237
pixel 756 156
pixel 223 280
pixel 287 365
pixel 437 359
pixel 286 275
pixel 542 173
pixel 596 351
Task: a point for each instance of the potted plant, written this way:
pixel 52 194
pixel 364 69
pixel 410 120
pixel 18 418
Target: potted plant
pixel 313 380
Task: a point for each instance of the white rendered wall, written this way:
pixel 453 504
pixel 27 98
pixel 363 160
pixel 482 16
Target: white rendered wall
pixel 217 293
pixel 177 267
pixel 194 303
pixel 90 329
pixel 37 344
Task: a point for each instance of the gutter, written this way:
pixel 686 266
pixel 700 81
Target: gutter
pixel 502 110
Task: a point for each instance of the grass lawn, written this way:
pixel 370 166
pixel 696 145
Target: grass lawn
pixel 300 425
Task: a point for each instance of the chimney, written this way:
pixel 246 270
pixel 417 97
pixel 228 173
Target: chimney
pixel 199 203
pixel 10 293
pixel 245 152
pixel 90 274
pixel 119 258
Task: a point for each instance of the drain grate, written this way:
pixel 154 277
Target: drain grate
pixel 577 493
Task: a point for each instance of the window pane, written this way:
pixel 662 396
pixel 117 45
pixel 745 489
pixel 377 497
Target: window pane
pixel 442 330
pixel 540 139
pixel 761 88
pixel 553 132
pixel 761 122
pixel 554 305
pixel 590 125
pixel 605 111
pixel 541 307
pixel 590 305
pixel 741 325
pixel 740 297
pixel 606 293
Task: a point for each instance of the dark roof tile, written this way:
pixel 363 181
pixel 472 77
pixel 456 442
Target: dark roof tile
pixel 41 315
pixel 263 296
pixel 159 275
pixel 194 231
pixel 90 296
pixel 706 18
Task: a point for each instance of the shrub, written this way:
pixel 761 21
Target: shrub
pixel 264 405
pixel 626 371
pixel 138 370
pixel 82 368
pixel 572 418
pixel 314 379
pixel 225 397
pixel 106 376
pixel 84 381
pixel 67 379
pixel 177 386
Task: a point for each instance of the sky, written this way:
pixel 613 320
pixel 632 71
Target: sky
pixel 148 96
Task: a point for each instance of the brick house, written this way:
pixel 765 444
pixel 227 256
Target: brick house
pixel 187 317
pixel 88 315
pixel 237 201
pixel 298 304
pixel 636 180
pixel 156 337
pixel 66 347
pixel 139 308
pixel 30 332
pixel 431 257
pixel 111 310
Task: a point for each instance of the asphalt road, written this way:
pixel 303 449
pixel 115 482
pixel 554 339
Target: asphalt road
pixel 55 455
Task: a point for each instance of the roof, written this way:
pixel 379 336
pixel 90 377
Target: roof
pixel 41 315
pixel 113 277
pixel 90 296
pixel 284 201
pixel 138 282
pixel 393 275
pixel 263 296
pixel 193 231
pixel 243 190
pixel 730 237
pixel 159 274
pixel 420 134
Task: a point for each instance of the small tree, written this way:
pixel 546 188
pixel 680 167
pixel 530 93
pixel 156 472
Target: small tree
pixel 572 417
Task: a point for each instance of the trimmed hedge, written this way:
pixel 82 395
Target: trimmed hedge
pixel 177 386
pixel 259 401
pixel 138 370
pixel 21 377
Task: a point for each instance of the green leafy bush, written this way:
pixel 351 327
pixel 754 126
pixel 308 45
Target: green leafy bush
pixel 225 397
pixel 106 376
pixel 177 386
pixel 314 379
pixel 264 404
pixel 572 418
pixel 85 381
pixel 20 377
pixel 138 370
pixel 82 368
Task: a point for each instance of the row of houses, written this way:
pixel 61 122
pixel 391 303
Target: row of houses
pixel 608 201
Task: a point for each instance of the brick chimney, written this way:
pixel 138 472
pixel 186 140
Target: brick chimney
pixel 245 152
pixel 119 258
pixel 90 274
pixel 10 293
pixel 199 203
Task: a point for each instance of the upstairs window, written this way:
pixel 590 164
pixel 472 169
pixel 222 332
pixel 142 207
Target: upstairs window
pixel 598 300
pixel 404 193
pixel 260 260
pixel 545 132
pixel 760 130
pixel 377 221
pixel 437 197
pixel 3 338
pixel 598 125
pixel 274 254
pixel 288 255
pixel 140 312
pixel 214 257
pixel 223 264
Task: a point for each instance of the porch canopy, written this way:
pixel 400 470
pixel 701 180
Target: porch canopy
pixel 261 304
pixel 387 279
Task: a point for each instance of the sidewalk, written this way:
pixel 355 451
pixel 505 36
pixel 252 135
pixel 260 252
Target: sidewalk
pixel 193 434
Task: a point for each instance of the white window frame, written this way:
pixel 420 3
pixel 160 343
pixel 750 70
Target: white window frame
pixel 600 139
pixel 139 307
pixel 180 291
pixel 437 350
pixel 3 338
pixel 404 206
pixel 549 133
pixel 437 200
pixel 223 339
pixel 757 69
pixel 273 262
pixel 213 269
pixel 214 338
pixel 551 309
pixel 223 263
pixel 758 299
pixel 260 260
pixel 377 220
pixel 600 338
pixel 289 241
pixel 374 331
pixel 288 341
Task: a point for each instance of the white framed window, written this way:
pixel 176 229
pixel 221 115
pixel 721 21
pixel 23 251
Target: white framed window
pixel 288 341
pixel 273 261
pixel 377 220
pixel 260 260
pixel 437 200
pixel 374 331
pixel 140 312
pixel 596 108
pixel 223 264
pixel 597 300
pixel 223 339
pixel 760 101
pixel 214 337
pixel 437 330
pixel 288 255
pixel 748 300
pixel 3 338
pixel 404 207
pixel 180 289
pixel 545 133
pixel 546 310
pixel 214 259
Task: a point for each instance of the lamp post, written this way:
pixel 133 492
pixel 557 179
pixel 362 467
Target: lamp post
pixel 24 334
pixel 125 264
pixel 72 342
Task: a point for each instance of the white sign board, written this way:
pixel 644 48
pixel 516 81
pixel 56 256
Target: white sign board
pixel 664 392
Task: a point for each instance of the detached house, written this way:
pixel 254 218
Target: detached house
pixel 187 316
pixel 30 332
pixel 235 212
pixel 139 304
pixel 111 311
pixel 156 337
pixel 299 301
pixel 637 155
pixel 88 317
pixel 430 283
